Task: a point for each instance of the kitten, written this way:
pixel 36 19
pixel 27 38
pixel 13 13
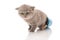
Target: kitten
pixel 35 18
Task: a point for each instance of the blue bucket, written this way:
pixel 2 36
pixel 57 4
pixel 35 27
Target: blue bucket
pixel 49 22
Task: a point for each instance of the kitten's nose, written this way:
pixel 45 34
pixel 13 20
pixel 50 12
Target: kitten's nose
pixel 25 16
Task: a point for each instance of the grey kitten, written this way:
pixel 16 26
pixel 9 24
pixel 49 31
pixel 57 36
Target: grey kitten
pixel 35 18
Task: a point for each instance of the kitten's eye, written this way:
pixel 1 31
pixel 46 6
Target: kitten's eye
pixel 22 13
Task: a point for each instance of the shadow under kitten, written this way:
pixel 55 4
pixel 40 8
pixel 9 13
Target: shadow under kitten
pixel 39 35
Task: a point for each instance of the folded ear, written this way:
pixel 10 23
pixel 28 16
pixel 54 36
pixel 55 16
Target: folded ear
pixel 32 8
pixel 17 8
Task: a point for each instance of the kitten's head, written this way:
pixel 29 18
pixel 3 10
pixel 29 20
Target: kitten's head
pixel 26 11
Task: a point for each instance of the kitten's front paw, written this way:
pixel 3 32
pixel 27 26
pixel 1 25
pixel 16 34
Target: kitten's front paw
pixel 31 30
pixel 29 27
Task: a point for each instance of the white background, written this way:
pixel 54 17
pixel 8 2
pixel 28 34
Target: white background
pixel 13 27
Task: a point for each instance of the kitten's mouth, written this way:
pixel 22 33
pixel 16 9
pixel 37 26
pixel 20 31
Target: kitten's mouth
pixel 25 17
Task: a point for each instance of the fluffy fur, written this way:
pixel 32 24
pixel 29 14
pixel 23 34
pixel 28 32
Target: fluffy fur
pixel 35 18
